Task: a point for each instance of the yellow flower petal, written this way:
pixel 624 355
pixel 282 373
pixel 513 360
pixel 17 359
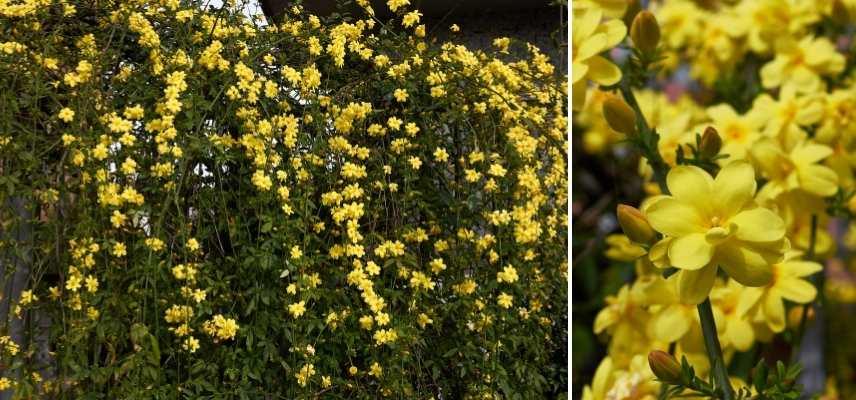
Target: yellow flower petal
pixel 690 252
pixel 796 290
pixel 603 378
pixel 604 319
pixel 740 333
pixel 672 323
pixel 691 185
pixel 774 312
pixel 615 31
pixel 801 269
pixel 578 71
pixel 733 187
pixel 810 153
pixel 818 179
pixel 748 267
pixel 602 71
pixel 694 286
pixel 586 24
pixel 721 113
pixel 748 299
pixel 758 225
pixel 674 218
pixel 659 253
pixel 591 47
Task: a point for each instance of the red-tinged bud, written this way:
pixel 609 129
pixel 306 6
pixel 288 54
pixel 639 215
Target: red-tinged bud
pixel 711 143
pixel 665 367
pixel 635 225
pixel 645 32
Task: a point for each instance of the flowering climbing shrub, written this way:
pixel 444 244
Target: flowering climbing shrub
pixel 723 131
pixel 199 205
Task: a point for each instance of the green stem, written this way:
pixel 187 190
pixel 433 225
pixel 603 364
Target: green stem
pixel 648 139
pixel 714 351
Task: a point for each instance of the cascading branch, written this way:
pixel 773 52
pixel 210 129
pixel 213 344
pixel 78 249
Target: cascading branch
pixel 325 207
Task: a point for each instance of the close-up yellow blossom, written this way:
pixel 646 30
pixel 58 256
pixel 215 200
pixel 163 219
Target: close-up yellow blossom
pixel 710 223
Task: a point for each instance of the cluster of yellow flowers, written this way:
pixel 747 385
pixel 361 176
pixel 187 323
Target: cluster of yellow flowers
pixel 739 214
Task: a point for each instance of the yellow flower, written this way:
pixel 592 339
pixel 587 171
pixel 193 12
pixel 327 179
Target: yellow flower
pixel 738 328
pixel 590 38
pixel 711 223
pixel 802 64
pixel 766 304
pixel 504 300
pixel 625 319
pixel 396 4
pixel 796 169
pixel 297 309
pixel 119 249
pixel 192 245
pixel 190 344
pixel 440 155
pixel 400 95
pixel 117 219
pixel 789 114
pixel 415 162
pixel 66 114
pixel 376 370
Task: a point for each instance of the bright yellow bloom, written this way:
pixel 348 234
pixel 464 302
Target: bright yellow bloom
pixel 796 169
pixel 711 223
pixel 802 64
pixel 117 219
pixel 504 300
pixel 400 95
pixel 766 304
pixel 66 114
pixel 625 319
pixel 787 116
pixel 590 38
pixel 297 309
pixel 738 328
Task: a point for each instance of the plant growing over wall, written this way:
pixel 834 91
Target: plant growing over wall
pixel 196 205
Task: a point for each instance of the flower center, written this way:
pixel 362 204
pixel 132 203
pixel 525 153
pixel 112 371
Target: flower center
pixel 714 222
pixel 718 234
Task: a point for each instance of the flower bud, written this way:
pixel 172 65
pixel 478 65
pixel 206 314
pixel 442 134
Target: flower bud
pixel 711 143
pixel 633 8
pixel 619 115
pixel 665 367
pixel 635 225
pixel 645 32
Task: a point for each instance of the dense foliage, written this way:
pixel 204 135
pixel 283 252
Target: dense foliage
pixel 203 206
